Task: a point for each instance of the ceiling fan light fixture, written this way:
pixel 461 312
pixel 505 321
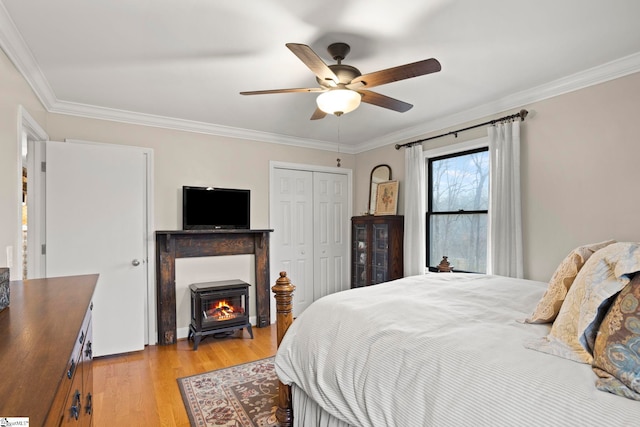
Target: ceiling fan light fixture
pixel 344 86
pixel 338 101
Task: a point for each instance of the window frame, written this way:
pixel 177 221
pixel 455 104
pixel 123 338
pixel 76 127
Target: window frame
pixel 454 150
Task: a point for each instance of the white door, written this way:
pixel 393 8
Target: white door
pixel 292 222
pixel 96 210
pixel 331 231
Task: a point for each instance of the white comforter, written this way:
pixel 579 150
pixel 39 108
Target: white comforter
pixel 440 350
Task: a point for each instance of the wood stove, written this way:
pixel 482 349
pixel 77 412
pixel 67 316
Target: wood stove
pixel 218 308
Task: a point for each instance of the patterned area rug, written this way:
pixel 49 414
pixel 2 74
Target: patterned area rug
pixel 239 396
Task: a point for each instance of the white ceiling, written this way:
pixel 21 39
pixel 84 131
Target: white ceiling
pixel 182 63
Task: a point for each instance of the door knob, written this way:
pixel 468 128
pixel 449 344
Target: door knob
pixel 135 263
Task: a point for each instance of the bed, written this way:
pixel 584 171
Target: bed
pixel 451 349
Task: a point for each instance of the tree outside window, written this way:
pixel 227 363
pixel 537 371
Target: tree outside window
pixel 458 200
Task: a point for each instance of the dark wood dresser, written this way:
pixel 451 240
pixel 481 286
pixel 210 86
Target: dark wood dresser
pixel 45 351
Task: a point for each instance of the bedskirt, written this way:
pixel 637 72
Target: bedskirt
pixel 309 413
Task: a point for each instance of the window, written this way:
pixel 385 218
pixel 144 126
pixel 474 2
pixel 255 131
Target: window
pixel 457 210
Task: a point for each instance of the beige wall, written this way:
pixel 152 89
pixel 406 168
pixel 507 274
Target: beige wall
pixel 14 91
pixel 365 162
pixel 578 156
pixel 580 171
pixel 180 158
pixel 580 174
pixel 183 158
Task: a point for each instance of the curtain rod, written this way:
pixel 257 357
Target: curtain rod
pixel 520 114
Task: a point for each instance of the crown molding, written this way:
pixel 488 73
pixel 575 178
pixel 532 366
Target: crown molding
pixel 16 49
pixel 600 74
pixel 122 116
pixel 14 46
pixel 612 70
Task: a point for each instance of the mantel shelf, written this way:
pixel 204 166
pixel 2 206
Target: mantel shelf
pixel 216 231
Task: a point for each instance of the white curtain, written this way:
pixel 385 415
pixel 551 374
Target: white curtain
pixel 414 212
pixel 504 252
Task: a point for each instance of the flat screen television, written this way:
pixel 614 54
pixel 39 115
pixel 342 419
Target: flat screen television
pixel 209 208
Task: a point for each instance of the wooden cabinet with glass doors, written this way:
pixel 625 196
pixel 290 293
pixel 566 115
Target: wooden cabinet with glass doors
pixel 377 254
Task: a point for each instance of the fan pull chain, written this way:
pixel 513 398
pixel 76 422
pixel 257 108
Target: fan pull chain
pixel 338 159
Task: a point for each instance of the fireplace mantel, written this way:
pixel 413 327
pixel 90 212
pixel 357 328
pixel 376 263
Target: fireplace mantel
pixel 200 243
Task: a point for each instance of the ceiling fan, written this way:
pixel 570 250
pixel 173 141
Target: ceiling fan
pixel 343 87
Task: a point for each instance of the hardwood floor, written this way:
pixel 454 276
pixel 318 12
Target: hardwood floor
pixel 140 388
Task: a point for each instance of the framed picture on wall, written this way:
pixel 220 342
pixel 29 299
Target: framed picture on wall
pixel 387 198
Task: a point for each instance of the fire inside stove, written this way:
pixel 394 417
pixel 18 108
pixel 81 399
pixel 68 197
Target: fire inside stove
pixel 222 310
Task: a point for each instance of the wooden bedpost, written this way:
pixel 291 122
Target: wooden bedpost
pixel 283 290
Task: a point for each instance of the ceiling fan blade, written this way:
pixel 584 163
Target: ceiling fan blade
pixel 318 114
pixel 395 74
pixel 384 101
pixel 314 62
pixel 266 92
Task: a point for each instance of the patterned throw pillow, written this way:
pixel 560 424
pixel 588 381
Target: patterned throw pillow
pixel 604 274
pixel 549 306
pixel 616 354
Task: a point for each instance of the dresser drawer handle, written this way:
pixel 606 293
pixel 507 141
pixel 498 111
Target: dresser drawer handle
pixel 72 368
pixel 75 407
pixel 89 406
pixel 88 352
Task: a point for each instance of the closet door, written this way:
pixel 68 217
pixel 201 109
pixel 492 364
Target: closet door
pixel 292 239
pixel 331 233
